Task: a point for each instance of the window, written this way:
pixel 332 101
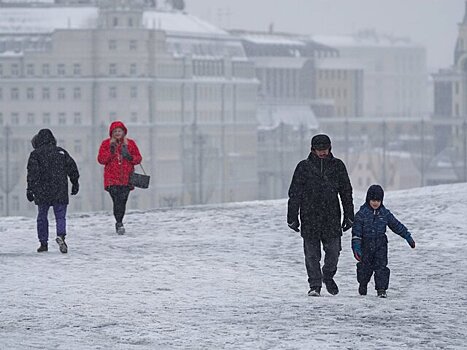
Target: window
pixel 14 69
pixel 30 69
pixel 77 118
pixel 133 45
pixel 1 69
pixel 134 92
pixel 61 69
pixel 77 147
pixel 46 69
pixel 112 69
pixel 30 93
pixel 46 118
pixel 134 117
pixel 112 45
pixel 1 118
pixel 112 92
pixel 130 22
pixel 45 93
pixel 115 21
pixel 61 119
pixel 76 69
pixel 15 203
pixel 133 69
pixel 1 94
pixel 14 94
pixel 14 118
pixel 77 93
pixel 31 118
pixel 61 93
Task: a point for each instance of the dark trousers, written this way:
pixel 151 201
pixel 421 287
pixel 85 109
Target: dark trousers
pixel 312 249
pixel 43 222
pixel 119 196
pixel 374 259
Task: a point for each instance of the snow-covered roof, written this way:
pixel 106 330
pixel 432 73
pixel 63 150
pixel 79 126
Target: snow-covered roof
pixel 271 116
pixel 363 40
pixel 17 20
pixel 271 39
pixel 338 63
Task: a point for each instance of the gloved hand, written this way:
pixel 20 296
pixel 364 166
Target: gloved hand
pixel 294 226
pixel 30 195
pixel 74 188
pixel 410 241
pixel 125 153
pixel 357 248
pixel 346 223
pixel 113 147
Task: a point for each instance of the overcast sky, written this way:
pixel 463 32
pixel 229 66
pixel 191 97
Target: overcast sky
pixel 432 23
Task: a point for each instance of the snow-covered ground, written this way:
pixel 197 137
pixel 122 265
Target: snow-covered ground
pixel 231 277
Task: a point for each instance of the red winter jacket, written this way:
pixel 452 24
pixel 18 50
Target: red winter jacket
pixel 117 169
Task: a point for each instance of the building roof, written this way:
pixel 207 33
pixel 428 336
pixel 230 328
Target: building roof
pixel 271 116
pixel 368 38
pixel 41 20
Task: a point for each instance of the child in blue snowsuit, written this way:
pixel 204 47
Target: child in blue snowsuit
pixel 370 243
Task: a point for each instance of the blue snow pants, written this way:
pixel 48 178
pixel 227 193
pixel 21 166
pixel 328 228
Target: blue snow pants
pixel 43 222
pixel 374 260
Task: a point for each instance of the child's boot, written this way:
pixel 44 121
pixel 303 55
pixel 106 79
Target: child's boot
pixel 381 293
pixel 43 248
pixel 362 289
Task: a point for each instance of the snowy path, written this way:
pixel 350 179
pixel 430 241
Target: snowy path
pixel 231 277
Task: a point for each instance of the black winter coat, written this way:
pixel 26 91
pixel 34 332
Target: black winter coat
pixel 313 193
pixel 49 167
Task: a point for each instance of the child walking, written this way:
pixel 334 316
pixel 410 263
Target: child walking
pixel 49 168
pixel 370 243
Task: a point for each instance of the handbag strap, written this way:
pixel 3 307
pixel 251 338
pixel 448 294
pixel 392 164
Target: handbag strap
pixel 141 165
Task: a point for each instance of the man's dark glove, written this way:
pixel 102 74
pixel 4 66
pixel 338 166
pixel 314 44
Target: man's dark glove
pixel 113 147
pixel 357 248
pixel 410 241
pixel 294 226
pixel 125 153
pixel 74 188
pixel 346 223
pixel 30 195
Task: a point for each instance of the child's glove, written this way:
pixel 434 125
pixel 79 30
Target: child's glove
pixel 30 195
pixel 74 188
pixel 113 147
pixel 410 241
pixel 294 226
pixel 357 248
pixel 125 153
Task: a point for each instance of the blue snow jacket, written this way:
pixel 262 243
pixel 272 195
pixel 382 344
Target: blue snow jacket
pixel 371 223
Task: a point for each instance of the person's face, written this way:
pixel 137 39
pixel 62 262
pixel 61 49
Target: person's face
pixel 375 204
pixel 322 153
pixel 118 133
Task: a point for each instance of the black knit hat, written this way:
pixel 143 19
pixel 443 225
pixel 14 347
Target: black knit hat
pixel 375 192
pixel 320 142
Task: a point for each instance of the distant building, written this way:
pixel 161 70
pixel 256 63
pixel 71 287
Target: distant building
pixel 450 114
pixel 395 82
pixel 185 89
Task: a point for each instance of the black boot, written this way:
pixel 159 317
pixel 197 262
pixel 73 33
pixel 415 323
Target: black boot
pixel 61 244
pixel 314 292
pixel 119 228
pixel 331 287
pixel 362 289
pixel 43 248
pixel 382 293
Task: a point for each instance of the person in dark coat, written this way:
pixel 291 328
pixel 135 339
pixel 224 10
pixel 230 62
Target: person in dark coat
pixel 48 170
pixel 370 243
pixel 314 192
pixel 119 155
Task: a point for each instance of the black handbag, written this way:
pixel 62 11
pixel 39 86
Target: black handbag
pixel 139 180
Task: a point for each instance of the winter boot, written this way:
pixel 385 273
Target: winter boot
pixel 43 248
pixel 61 244
pixel 119 228
pixel 314 292
pixel 331 287
pixel 362 289
pixel 381 293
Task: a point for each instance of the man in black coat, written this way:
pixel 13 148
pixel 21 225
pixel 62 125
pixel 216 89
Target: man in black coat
pixel 49 168
pixel 317 184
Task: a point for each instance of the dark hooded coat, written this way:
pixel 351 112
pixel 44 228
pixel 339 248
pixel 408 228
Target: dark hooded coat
pixel 48 170
pixel 314 195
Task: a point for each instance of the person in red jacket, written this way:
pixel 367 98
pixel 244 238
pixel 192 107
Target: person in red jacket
pixel 119 155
